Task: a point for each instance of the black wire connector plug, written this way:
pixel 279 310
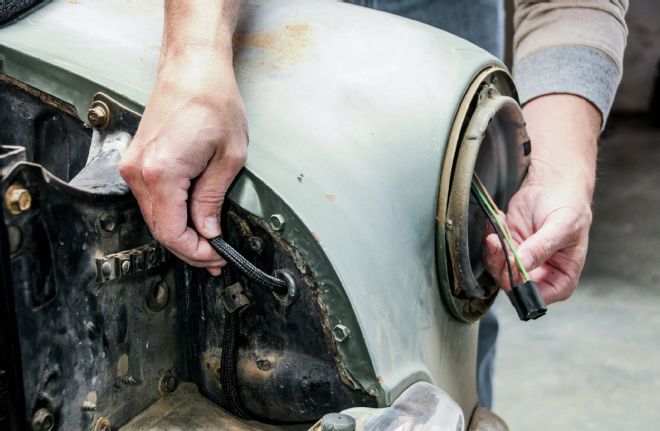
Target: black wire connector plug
pixel 527 301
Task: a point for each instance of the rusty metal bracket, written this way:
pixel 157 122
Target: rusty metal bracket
pixel 130 262
pixel 234 298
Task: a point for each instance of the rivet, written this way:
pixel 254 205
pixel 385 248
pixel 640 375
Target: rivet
pixel 341 332
pixel 277 222
pixel 450 224
pixel 43 420
pixel 17 199
pixel 99 114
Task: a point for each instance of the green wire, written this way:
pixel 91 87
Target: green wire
pixel 476 187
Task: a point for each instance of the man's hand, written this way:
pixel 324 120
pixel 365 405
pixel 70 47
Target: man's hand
pixel 192 139
pixel 550 216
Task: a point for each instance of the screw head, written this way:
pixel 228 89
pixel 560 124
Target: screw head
pixel 99 114
pixel 277 222
pixel 17 199
pixel 256 244
pixel 43 420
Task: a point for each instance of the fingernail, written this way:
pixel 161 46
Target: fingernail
pixel 212 225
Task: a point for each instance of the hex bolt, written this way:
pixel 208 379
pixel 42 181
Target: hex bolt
pixel 99 114
pixel 450 224
pixel 277 222
pixel 256 244
pixel 373 392
pixel 107 222
pixel 17 199
pixel 43 420
pixel 337 422
pixel 103 424
pixel 341 332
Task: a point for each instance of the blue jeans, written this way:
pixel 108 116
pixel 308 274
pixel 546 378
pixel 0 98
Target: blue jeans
pixel 482 23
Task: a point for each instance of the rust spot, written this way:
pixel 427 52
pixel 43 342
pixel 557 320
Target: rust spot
pixel 52 101
pixel 280 48
pixel 330 197
pixel 211 361
pixel 259 368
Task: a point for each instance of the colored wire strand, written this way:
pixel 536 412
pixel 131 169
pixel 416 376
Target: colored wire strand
pixel 491 210
pixel 498 234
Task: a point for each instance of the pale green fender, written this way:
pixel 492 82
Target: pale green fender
pixel 350 111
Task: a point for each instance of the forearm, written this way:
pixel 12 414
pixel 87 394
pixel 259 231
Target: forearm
pixel 570 46
pixel 564 131
pixel 198 32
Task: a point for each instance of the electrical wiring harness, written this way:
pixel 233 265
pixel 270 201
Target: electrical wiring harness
pixel 524 297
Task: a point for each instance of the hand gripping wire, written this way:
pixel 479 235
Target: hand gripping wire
pixel 524 297
pixel 227 252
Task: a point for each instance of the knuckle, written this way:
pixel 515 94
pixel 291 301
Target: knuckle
pixel 128 169
pixel 236 155
pixel 153 171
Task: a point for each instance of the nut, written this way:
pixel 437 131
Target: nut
pixel 277 222
pixel 341 332
pixel 17 199
pixel 43 420
pixel 99 114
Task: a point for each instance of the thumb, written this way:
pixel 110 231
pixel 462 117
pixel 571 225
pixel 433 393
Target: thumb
pixel 207 196
pixel 552 237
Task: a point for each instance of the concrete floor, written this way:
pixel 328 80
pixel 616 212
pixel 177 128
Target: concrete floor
pixel 593 362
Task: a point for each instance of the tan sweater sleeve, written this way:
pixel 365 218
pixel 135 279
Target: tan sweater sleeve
pixel 570 46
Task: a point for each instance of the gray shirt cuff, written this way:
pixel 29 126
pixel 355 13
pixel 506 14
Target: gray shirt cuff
pixel 580 70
